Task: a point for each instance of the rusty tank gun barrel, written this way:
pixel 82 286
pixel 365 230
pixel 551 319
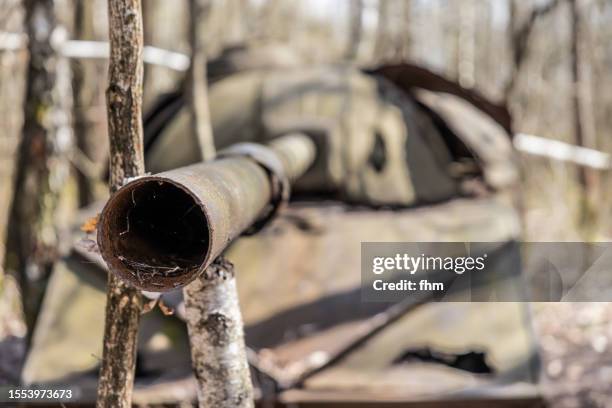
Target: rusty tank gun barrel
pixel 160 232
pixel 296 153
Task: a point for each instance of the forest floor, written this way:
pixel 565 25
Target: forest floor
pixel 576 345
pixel 575 340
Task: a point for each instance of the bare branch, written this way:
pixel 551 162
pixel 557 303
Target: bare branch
pixel 521 35
pixel 124 100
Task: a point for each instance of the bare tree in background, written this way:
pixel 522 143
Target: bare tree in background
pixel 382 39
pixel 42 163
pixel 520 34
pixel 355 28
pixel 197 95
pixel 124 104
pixel 11 114
pixel 586 177
pixel 214 321
pixel 393 38
pixel 235 27
pixel 404 42
pixel 83 95
pixel 466 44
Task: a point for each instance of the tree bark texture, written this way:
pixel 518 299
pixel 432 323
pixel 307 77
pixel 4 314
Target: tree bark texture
pixel 217 340
pixel 124 104
pixel 124 92
pixel 42 168
pixel 197 93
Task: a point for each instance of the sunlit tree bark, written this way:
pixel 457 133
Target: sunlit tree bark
pixel 124 104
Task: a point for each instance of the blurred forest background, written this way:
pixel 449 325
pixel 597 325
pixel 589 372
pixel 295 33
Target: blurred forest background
pixel 548 59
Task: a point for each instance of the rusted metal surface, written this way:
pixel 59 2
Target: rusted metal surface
pixel 160 232
pixel 503 397
pixel 409 76
pixel 296 152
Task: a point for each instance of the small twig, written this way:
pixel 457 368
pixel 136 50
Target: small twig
pixel 127 218
pixel 188 211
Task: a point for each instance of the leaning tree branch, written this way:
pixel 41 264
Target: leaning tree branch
pixel 124 104
pixel 521 35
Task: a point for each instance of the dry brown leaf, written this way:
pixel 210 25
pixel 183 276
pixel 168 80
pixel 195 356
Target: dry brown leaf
pixel 90 225
pixel 148 306
pixel 167 311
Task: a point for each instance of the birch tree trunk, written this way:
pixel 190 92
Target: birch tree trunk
pixel 216 335
pixel 42 164
pixel 124 104
pixel 214 321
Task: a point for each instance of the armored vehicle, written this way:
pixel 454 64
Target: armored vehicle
pixel 402 155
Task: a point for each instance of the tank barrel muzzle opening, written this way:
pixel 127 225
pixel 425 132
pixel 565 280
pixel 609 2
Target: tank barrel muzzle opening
pixel 154 234
pixel 160 232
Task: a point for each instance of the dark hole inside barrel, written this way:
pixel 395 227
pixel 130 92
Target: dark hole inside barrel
pixel 160 229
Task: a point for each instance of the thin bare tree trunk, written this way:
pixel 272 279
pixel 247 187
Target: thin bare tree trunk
pixel 82 96
pixel 214 321
pixel 355 28
pixel 197 95
pixel 405 38
pixel 124 104
pixel 234 32
pixel 42 164
pixel 216 334
pixel 381 44
pixel 587 178
pixel 466 44
pixel 12 82
pixel 575 69
pixel 520 34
